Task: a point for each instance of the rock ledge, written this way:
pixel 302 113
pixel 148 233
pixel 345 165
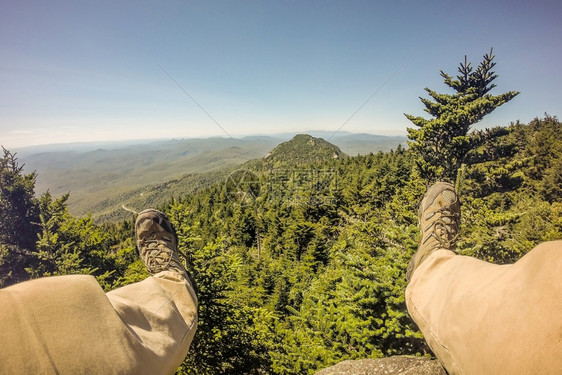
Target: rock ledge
pixel 397 365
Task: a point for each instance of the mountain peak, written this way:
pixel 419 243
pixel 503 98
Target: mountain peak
pixel 303 149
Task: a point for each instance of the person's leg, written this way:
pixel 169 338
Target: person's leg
pixel 67 324
pixel 161 312
pixel 481 318
pixel 64 325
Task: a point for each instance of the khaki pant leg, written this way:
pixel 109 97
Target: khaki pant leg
pixel 67 325
pixel 161 311
pixel 481 318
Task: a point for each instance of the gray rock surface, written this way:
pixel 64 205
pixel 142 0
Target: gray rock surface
pixel 397 365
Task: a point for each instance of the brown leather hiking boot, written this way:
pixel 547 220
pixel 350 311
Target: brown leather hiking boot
pixel 439 218
pixel 157 243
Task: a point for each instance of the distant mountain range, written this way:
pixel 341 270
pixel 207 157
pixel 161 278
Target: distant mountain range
pixel 350 143
pixel 111 179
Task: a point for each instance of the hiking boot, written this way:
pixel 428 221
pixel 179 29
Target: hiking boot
pixel 439 218
pixel 157 243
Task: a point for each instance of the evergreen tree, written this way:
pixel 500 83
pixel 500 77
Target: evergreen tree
pixel 18 219
pixel 38 237
pixel 442 142
pixel 68 245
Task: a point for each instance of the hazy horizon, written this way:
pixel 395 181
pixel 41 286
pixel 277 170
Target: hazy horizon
pixel 326 134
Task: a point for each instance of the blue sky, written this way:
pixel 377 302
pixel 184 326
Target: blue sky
pixel 84 71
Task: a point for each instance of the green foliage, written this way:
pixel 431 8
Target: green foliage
pixel 230 337
pixel 297 257
pixel 66 245
pixel 442 142
pixel 19 216
pixel 302 149
pixel 511 202
pixel 38 237
pixel 354 309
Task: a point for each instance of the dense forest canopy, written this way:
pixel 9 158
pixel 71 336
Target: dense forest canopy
pixel 311 270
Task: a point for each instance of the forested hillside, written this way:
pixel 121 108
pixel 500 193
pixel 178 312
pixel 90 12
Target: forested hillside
pixel 311 270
